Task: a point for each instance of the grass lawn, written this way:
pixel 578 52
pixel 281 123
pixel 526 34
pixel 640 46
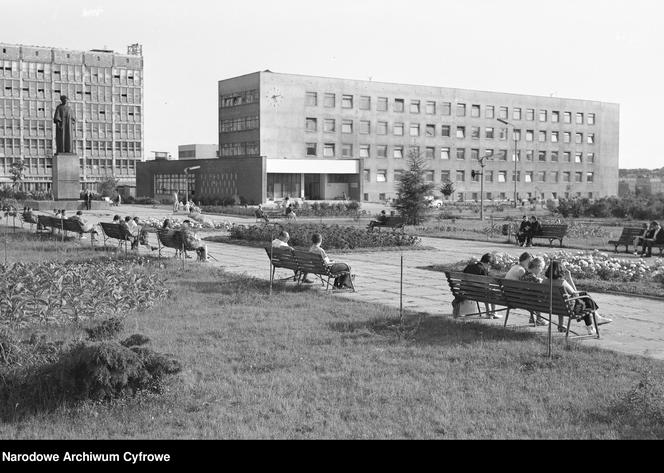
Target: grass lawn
pixel 302 364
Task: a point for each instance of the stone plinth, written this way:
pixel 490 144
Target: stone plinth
pixel 66 177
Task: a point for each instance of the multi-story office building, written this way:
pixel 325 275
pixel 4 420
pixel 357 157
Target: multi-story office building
pixel 198 151
pixel 322 138
pixel 105 90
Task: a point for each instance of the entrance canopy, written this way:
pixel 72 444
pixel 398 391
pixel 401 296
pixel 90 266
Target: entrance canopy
pixel 312 166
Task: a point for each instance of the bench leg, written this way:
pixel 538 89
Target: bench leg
pixel 569 322
pixel 507 316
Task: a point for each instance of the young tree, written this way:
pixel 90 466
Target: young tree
pixel 17 170
pixel 108 187
pixel 412 190
pixel 447 189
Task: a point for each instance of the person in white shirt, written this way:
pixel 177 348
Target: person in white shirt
pixel 517 271
pixel 340 282
pixel 282 240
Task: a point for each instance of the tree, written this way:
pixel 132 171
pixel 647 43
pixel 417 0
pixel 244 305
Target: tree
pixel 17 170
pixel 447 189
pixel 412 190
pixel 108 187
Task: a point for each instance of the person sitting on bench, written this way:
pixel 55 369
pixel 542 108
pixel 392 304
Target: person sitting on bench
pixel 524 228
pixel 380 220
pixel 260 214
pixel 85 226
pixel 461 306
pixel 638 240
pixel 189 240
pixel 532 274
pixel 340 282
pixel 534 230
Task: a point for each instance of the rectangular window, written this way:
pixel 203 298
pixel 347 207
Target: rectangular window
pixel 530 114
pixel 445 131
pixel 541 155
pixel 590 158
pixel 489 111
pixel 346 101
pixel 541 176
pixel 529 135
pixel 461 176
pixel 444 153
pixel 366 175
pixel 475 132
pixel 381 151
pixel 502 134
pixel 347 126
pixel 461 153
pixel 328 150
pixel 541 135
pixel 542 115
pixel 474 154
pixel 461 132
pixel 381 175
pixel 381 104
pixel 365 127
pixel 488 132
pixel 414 129
pixel 365 102
pixel 397 152
pixel 555 117
pixel 329 100
pixel 414 151
pixel 397 129
pixel 528 177
pixel 347 150
pixel 554 156
pixel 430 152
pixel 503 113
pixel 529 155
pixel 430 108
pixel 578 177
pixel 461 110
pixel 398 105
pixel 430 130
pixel 567 137
pixel 591 119
pixel 590 138
pixel 516 114
pixel 554 137
pixel 502 176
pixel 397 175
pixel 579 118
pixel 381 128
pixel 475 111
pixel 578 138
pixel 516 177
pixel 311 149
pixel 502 155
pixel 516 134
pixel 311 99
pixel 414 106
pixel 446 109
pixel 554 176
pixel 488 177
pixel 567 157
pixel 578 157
pixel 312 124
pixel 590 177
pixel 329 125
pixel 567 117
pixel 445 176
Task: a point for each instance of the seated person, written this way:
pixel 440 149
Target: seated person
pixel 260 214
pixel 116 219
pixel 85 226
pixel 534 230
pixel 128 229
pixel 561 277
pixel 380 220
pixel 282 242
pixel 190 241
pixel 654 236
pixel 289 212
pixel 532 274
pixel 460 306
pixel 524 229
pixel 518 270
pixel 340 282
pixel 638 240
pixel 142 234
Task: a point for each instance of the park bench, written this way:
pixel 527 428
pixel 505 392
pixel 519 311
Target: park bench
pixel 552 232
pixel 284 258
pixel 29 218
pixel 169 239
pixel 271 215
pixel 75 226
pixel 50 222
pixel 626 238
pixel 477 288
pixel 114 231
pixel 534 297
pixel 392 222
pixel 313 263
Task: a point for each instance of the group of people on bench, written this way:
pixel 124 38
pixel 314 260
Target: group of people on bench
pixel 527 230
pixel 530 269
pixel 340 282
pixel 186 238
pixel 651 235
pixel 139 236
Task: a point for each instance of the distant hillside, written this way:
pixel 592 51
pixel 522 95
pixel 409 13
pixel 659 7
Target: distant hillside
pixel 641 172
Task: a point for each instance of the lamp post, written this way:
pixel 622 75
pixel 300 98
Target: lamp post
pixel 482 164
pixel 186 181
pixel 505 122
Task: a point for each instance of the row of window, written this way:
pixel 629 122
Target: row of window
pixel 430 131
pixel 329 150
pixel 238 98
pixel 475 196
pixel 11 108
pixel 432 107
pixel 169 183
pixel 97 93
pixel 44 147
pixel 381 175
pixel 11 127
pixel 70 73
pixel 245 148
pixel 239 124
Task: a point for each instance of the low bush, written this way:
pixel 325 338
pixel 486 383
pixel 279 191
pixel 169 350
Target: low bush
pixel 106 329
pixel 334 236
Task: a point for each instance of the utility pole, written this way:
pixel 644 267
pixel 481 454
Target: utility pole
pixel 481 173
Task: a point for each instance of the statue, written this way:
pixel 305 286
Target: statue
pixel 64 127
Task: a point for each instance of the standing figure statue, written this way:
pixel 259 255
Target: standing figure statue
pixel 64 127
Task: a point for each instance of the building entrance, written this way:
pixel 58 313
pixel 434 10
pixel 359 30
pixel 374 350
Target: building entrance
pixel 312 187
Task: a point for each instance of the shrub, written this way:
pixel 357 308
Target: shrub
pixel 106 329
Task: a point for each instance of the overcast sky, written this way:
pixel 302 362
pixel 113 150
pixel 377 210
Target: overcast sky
pixel 611 50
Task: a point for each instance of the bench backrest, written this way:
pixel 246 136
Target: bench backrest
pixel 73 226
pixel 282 257
pixel 535 297
pixel 114 230
pixel 553 229
pixel 169 238
pixel 475 287
pixel 310 262
pixel 48 221
pixel 629 233
pixel 29 218
pixel 394 221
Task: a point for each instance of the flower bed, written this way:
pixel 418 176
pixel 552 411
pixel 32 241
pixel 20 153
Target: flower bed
pixel 334 236
pixel 60 292
pixel 197 221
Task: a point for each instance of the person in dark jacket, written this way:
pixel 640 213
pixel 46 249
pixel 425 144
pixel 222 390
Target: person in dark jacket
pixel 654 236
pixel 460 306
pixel 534 230
pixel 524 229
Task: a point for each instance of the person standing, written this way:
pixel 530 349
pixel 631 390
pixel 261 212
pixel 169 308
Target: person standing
pixel 176 201
pixel 88 199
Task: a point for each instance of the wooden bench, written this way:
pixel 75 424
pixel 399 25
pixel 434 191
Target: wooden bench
pixel 627 238
pixel 168 239
pixel 114 231
pixel 552 232
pixel 271 215
pixel 392 222
pixel 283 258
pixel 76 226
pixel 50 222
pixel 477 288
pixel 313 263
pixel 29 218
pixel 534 297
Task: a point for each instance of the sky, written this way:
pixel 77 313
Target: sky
pixel 610 50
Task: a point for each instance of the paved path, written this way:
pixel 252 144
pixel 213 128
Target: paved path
pixel 638 323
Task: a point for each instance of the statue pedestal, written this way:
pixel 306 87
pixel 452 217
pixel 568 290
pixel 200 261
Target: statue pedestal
pixel 66 177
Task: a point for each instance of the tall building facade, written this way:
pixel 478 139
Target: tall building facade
pixel 105 90
pixel 326 138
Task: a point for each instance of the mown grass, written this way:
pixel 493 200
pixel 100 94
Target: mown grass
pixel 301 364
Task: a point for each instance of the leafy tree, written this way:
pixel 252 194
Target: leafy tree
pixel 447 189
pixel 412 190
pixel 108 187
pixel 17 170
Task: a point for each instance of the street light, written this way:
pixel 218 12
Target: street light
pixel 186 181
pixel 481 173
pixel 516 153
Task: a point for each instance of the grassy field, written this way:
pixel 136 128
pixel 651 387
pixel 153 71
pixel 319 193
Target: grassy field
pixel 301 364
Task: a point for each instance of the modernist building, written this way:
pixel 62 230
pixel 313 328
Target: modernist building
pixel 198 151
pixel 104 88
pixel 323 138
